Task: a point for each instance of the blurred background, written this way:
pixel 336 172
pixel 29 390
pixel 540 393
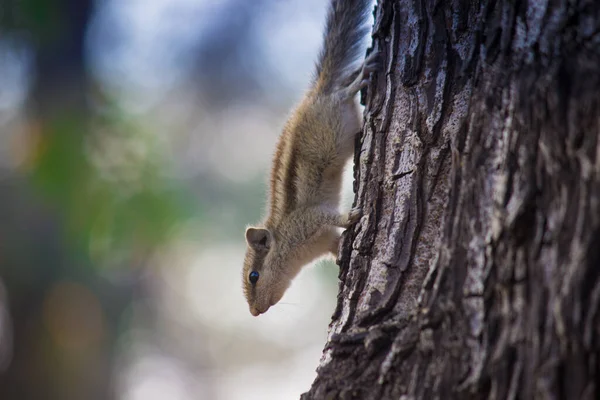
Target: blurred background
pixel 135 136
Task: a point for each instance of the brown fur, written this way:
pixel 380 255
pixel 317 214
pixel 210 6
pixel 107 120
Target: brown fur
pixel 306 176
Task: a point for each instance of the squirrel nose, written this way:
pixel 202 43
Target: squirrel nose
pixel 256 312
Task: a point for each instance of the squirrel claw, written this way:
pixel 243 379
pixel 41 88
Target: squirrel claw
pixel 372 63
pixel 354 216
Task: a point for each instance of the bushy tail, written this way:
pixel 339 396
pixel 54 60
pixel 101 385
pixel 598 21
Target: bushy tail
pixel 343 44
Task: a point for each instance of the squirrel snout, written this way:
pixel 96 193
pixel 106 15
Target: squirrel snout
pixel 256 312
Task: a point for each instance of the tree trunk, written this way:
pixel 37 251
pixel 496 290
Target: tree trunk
pixel 474 272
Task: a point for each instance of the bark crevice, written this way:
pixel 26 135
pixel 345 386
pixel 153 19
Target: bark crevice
pixel 473 273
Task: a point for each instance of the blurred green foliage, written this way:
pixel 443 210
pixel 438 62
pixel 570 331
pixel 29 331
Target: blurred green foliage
pixel 109 183
pixel 43 19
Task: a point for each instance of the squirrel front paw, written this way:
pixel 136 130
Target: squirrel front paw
pixel 354 216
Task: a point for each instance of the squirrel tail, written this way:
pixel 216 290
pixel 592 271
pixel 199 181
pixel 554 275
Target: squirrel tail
pixel 343 44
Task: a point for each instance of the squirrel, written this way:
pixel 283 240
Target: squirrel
pixel 306 175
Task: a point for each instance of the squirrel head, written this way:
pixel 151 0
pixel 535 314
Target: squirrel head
pixel 264 276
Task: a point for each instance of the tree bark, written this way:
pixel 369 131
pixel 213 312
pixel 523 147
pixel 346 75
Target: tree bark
pixel 474 272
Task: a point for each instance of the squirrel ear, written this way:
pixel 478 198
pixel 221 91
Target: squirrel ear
pixel 259 238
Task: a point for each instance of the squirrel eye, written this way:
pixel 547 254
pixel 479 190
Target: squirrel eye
pixel 253 277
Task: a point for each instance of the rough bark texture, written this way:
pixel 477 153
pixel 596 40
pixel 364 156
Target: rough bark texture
pixel 474 272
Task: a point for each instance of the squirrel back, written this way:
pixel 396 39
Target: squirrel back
pixel 343 43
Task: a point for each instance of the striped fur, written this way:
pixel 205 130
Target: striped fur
pixel 306 175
